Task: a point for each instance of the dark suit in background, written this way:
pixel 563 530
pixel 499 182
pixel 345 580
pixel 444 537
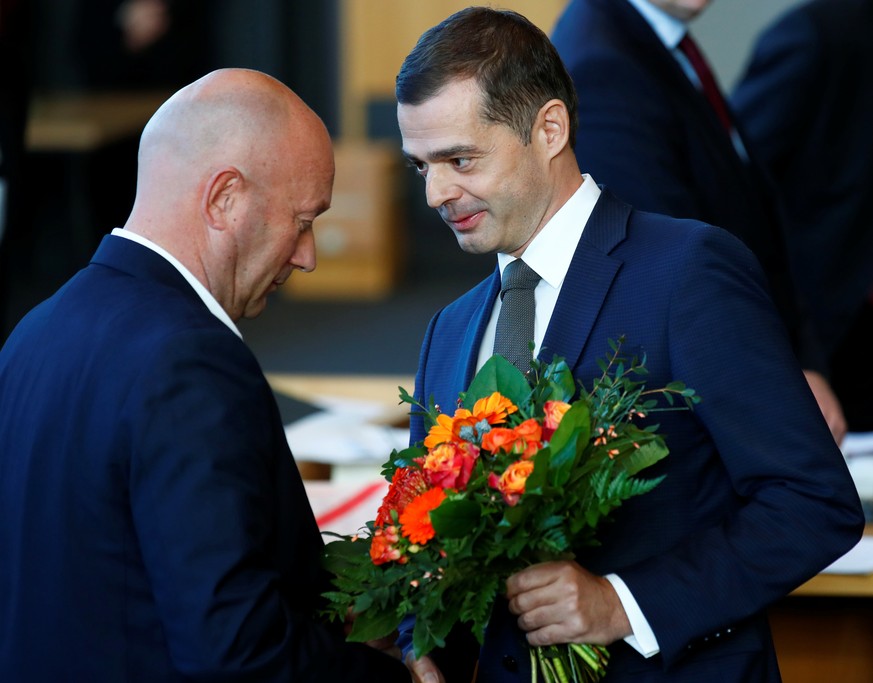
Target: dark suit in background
pixel 648 134
pixel 806 103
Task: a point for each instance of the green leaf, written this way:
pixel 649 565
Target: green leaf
pixel 539 477
pixel 498 374
pixel 455 518
pixel 431 632
pixel 477 604
pixel 646 455
pixel 373 624
pixel 568 442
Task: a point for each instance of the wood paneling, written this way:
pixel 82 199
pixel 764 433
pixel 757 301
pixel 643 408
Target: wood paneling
pixel 376 35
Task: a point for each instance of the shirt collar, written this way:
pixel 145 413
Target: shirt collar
pixel 668 28
pixel 548 253
pixel 210 301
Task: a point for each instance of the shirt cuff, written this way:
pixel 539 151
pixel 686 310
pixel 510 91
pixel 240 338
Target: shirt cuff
pixel 643 638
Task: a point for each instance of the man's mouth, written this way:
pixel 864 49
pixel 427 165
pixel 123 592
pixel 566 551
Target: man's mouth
pixel 465 222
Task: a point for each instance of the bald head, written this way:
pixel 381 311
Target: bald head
pixel 230 116
pixel 222 161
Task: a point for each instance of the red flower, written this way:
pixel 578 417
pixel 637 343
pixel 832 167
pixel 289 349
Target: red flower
pixel 449 465
pixel 406 484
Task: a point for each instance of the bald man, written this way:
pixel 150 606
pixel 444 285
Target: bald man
pixel 153 525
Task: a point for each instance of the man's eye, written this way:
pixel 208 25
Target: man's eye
pixel 460 162
pixel 419 166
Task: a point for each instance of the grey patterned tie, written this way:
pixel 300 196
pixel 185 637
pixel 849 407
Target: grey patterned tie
pixel 515 324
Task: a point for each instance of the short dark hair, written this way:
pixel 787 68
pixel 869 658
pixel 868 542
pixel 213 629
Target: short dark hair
pixel 514 62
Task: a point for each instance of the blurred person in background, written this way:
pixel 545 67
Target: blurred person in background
pixel 655 128
pixel 806 103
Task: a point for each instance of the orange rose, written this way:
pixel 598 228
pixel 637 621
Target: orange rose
pixel 500 439
pixel 524 440
pixel 449 465
pixel 511 482
pixel 531 433
pixel 554 413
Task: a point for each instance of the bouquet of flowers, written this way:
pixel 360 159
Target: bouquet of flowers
pixel 520 474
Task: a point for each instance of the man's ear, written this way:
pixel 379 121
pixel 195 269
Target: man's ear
pixel 220 195
pixel 553 126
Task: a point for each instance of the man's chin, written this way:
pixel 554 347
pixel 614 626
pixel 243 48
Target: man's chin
pixel 471 245
pixel 255 308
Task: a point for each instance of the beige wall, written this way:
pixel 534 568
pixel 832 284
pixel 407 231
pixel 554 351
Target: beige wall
pixel 376 35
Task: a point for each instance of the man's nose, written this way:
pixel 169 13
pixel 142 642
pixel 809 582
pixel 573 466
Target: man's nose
pixel 304 253
pixel 440 187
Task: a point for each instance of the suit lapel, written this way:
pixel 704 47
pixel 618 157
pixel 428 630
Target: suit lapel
pixel 482 308
pixel 588 280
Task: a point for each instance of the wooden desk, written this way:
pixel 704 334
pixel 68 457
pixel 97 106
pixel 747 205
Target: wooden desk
pixel 87 121
pixel 380 390
pixel 823 631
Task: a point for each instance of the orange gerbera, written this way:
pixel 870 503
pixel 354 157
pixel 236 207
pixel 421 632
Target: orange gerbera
pixel 494 409
pixel 406 484
pixel 415 519
pixel 447 429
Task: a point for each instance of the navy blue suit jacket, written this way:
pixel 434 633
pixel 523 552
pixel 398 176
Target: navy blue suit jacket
pixel 806 102
pixel 757 497
pixel 648 134
pixel 154 525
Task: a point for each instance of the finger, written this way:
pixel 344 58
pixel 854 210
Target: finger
pixel 424 670
pixel 531 578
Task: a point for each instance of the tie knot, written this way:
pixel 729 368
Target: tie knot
pixel 518 275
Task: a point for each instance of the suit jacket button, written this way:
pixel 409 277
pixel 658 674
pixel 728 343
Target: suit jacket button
pixel 510 664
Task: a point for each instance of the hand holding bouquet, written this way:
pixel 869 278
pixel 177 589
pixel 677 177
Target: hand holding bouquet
pixel 520 474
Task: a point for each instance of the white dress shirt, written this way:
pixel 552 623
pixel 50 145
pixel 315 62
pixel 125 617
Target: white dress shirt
pixel 671 31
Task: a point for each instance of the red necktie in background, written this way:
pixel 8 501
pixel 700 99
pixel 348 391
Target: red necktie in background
pixel 707 81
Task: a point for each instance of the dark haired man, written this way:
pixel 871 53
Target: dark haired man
pixel 756 498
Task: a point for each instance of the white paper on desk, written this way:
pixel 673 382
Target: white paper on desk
pixel 349 407
pixel 859 560
pixel 857 443
pixel 339 438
